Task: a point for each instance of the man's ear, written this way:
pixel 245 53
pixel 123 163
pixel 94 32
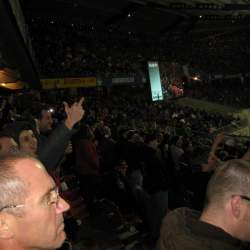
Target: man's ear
pixel 236 207
pixel 5 227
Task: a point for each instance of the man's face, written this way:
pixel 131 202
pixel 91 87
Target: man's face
pixel 122 168
pixel 154 144
pixel 46 121
pixel 28 142
pixel 41 226
pixel 243 224
pixel 7 145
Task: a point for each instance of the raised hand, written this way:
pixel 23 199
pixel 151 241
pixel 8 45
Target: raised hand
pixel 74 113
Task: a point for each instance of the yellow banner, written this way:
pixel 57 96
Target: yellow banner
pixel 60 83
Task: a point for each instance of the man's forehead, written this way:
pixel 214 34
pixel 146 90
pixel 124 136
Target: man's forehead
pixel 33 173
pixel 46 113
pixel 29 168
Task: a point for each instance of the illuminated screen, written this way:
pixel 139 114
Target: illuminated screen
pixel 155 81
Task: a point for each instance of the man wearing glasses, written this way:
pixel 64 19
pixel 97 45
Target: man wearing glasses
pixel 224 223
pixel 31 210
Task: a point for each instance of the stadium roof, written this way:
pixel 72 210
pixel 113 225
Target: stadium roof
pixel 211 35
pixel 147 16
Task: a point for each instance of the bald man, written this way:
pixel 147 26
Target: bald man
pixel 31 209
pixel 224 223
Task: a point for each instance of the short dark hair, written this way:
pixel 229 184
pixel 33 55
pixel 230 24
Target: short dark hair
pixel 14 129
pixel 231 178
pixel 37 109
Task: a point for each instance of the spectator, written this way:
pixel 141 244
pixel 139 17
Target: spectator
pixel 87 163
pixel 118 189
pixel 155 178
pixel 32 203
pixel 22 133
pixel 7 145
pixel 58 139
pixel 223 223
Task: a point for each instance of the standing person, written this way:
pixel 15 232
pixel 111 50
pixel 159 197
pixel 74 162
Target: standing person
pixel 51 147
pixel 87 163
pixel 31 215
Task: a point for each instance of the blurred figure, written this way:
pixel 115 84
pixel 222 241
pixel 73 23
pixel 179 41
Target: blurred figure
pixel 7 145
pixel 22 133
pixel 87 163
pixel 117 188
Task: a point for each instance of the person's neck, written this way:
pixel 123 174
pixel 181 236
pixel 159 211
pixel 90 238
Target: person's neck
pixel 218 219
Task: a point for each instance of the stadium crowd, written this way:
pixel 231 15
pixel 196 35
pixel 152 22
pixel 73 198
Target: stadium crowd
pixel 145 158
pixel 121 162
pixel 78 49
pixel 74 50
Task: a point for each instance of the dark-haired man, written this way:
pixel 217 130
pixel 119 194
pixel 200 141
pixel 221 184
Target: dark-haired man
pixel 51 147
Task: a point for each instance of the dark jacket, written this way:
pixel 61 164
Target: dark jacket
pixel 155 176
pixel 117 189
pixel 51 148
pixel 182 230
pixel 87 159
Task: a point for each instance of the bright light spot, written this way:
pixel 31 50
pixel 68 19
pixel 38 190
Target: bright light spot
pixel 195 78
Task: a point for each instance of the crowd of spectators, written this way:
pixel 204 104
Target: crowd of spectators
pixel 80 51
pixel 125 149
pixel 84 49
pixel 118 153
pixel 223 91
